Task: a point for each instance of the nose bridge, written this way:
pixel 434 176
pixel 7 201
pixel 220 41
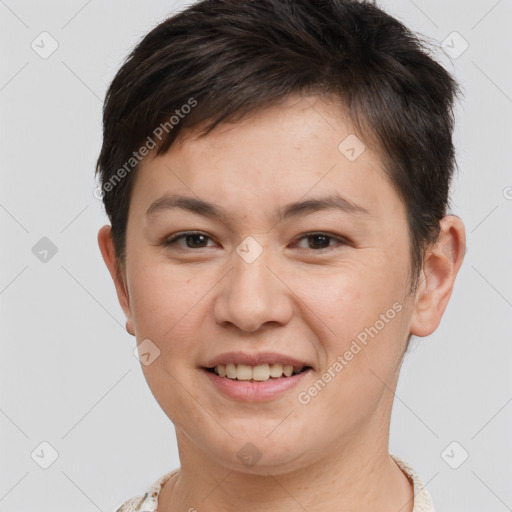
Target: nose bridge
pixel 251 294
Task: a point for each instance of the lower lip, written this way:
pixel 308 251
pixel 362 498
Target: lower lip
pixel 254 391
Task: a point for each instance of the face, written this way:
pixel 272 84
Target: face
pixel 327 287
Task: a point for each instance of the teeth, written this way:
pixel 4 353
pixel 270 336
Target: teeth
pixel 276 370
pixel 260 372
pixel 230 371
pixel 243 372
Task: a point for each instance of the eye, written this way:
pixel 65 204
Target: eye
pixel 320 241
pixel 196 240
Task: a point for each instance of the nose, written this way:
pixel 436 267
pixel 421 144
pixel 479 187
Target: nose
pixel 253 294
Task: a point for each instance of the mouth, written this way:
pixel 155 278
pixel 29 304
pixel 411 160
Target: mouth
pixel 257 376
pixel 258 373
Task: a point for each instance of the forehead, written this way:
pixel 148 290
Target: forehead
pixel 299 149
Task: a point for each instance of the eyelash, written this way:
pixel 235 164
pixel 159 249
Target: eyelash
pixel 173 240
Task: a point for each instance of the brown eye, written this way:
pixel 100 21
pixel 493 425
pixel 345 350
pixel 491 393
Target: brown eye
pixel 320 241
pixel 192 240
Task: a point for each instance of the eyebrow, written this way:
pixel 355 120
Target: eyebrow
pixel 291 210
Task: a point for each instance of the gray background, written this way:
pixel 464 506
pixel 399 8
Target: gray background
pixel 68 376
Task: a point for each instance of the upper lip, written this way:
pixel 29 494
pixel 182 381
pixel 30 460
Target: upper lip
pixel 254 359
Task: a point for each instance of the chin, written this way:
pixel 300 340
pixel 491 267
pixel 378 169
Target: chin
pixel 260 453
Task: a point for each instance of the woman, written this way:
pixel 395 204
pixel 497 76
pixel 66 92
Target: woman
pixel 276 175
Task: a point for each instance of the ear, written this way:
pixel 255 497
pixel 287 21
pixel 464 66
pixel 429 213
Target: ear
pixel 107 251
pixel 440 267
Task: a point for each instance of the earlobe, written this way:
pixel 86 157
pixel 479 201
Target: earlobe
pixel 129 328
pixel 441 264
pixel 107 249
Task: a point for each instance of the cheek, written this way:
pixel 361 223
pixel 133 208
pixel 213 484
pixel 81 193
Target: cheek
pixel 358 322
pixel 358 303
pixel 166 306
pixel 346 296
pixel 164 299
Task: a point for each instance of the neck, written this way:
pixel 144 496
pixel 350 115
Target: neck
pixel 362 477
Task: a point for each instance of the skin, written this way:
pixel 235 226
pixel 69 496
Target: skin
pixel 199 300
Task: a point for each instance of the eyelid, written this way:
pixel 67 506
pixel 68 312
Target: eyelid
pixel 341 240
pixel 175 237
pixel 172 241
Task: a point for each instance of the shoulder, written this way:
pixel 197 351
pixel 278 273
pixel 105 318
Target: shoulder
pixel 131 505
pixel 422 500
pixel 147 502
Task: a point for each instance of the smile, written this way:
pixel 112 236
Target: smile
pixel 252 390
pixel 260 373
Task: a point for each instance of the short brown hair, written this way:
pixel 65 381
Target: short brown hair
pixel 232 57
